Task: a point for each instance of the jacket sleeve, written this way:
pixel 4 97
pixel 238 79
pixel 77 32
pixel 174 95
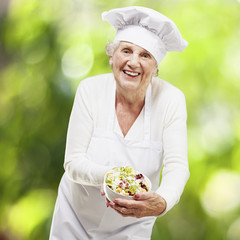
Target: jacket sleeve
pixel 78 167
pixel 175 171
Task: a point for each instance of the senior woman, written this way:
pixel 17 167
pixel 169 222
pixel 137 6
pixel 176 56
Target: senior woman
pixel 128 117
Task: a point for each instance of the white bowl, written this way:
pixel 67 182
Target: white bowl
pixel 111 195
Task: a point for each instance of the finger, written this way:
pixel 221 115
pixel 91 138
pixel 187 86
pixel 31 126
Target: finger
pixel 125 212
pixel 127 203
pixel 102 191
pixel 129 210
pixel 141 196
pixel 108 203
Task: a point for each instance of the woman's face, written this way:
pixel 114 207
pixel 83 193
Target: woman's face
pixel 133 67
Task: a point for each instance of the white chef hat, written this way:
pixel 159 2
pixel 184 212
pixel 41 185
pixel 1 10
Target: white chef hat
pixel 146 28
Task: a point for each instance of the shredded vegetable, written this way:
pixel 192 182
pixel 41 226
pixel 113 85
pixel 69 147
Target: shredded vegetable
pixel 126 181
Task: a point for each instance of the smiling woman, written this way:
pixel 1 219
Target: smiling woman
pixel 128 117
pixel 133 69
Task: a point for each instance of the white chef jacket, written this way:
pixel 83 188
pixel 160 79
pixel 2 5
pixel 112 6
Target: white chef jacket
pixel 159 133
pixel 168 124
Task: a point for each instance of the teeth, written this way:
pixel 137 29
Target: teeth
pixel 131 73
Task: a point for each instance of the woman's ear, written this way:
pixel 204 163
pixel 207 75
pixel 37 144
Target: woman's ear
pixel 155 72
pixel 110 61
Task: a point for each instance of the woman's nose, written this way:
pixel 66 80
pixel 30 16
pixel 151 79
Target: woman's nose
pixel 133 60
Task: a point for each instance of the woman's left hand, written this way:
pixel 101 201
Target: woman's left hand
pixel 144 204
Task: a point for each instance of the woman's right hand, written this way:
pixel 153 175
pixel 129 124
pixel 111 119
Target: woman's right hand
pixel 143 205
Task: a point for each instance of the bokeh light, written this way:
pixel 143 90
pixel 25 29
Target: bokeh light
pixel 77 61
pixel 222 193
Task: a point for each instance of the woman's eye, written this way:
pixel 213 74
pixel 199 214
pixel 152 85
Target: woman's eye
pixel 126 50
pixel 145 55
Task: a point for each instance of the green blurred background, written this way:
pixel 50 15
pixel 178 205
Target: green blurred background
pixel 48 46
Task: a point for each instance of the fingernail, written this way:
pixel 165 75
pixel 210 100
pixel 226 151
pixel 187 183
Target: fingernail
pixel 136 196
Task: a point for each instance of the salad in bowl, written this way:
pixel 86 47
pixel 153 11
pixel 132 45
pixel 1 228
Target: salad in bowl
pixel 124 182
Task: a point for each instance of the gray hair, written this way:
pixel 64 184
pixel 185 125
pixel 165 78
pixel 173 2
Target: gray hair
pixel 110 48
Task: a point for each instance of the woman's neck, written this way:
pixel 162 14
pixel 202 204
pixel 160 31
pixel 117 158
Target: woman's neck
pixel 131 102
pixel 127 111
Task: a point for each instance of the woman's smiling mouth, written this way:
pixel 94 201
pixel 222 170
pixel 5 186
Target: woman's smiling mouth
pixel 132 74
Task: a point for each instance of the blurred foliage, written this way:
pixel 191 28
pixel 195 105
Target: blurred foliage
pixel 48 47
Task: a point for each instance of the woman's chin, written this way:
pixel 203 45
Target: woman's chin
pixel 130 86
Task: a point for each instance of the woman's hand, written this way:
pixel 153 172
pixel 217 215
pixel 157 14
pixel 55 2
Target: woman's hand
pixel 102 190
pixel 144 204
